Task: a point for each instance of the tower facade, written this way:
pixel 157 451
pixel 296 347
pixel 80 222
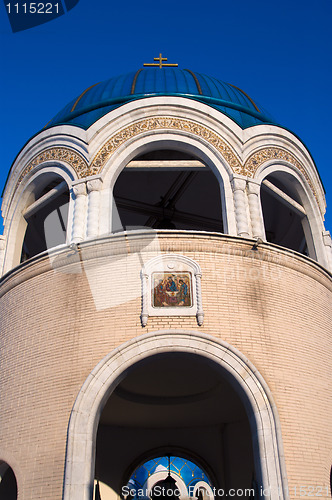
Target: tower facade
pixel 166 300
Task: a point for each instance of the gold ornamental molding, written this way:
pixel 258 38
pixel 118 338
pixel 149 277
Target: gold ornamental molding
pixel 75 160
pixel 261 156
pixel 248 169
pixel 164 123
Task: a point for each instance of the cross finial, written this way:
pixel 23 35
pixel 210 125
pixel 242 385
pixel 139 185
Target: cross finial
pixel 160 62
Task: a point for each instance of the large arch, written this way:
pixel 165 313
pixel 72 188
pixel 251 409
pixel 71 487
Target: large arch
pixel 15 224
pixel 253 390
pixel 176 141
pixel 313 226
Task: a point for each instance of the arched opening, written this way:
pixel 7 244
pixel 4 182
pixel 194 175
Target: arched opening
pixel 46 216
pixel 231 365
pixel 285 218
pixel 183 405
pixel 8 484
pixel 167 189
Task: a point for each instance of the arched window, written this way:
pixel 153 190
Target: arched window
pixel 8 484
pixel 46 217
pixel 167 189
pixel 285 217
pixel 190 479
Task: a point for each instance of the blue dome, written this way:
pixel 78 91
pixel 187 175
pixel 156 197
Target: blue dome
pixel 101 98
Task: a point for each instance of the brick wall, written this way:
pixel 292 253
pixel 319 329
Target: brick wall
pixel 57 324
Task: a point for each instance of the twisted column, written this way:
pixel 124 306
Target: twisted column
pixel 144 314
pixel 240 206
pixel 94 188
pixel 256 217
pixel 200 312
pixel 78 228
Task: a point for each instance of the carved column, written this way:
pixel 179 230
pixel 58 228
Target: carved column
pixel 94 188
pixel 79 216
pixel 240 206
pixel 200 312
pixel 256 217
pixel 145 285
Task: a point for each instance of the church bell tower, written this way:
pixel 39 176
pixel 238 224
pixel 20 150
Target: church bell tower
pixel 166 300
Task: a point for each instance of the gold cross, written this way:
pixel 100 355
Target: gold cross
pixel 160 62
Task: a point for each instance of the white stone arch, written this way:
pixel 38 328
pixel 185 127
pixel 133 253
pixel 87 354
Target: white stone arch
pixel 170 106
pixel 253 390
pixel 264 137
pixel 314 233
pixel 22 196
pixel 178 140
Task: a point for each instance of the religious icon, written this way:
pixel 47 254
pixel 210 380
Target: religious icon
pixel 171 289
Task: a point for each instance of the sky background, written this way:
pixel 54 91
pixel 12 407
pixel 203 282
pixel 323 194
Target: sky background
pixel 277 52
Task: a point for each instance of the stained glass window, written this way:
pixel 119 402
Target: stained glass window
pixel 189 478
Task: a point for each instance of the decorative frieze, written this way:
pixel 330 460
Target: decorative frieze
pixel 247 169
pixel 167 123
pixel 261 156
pixel 75 160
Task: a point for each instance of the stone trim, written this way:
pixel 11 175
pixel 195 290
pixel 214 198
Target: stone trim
pixel 182 242
pixel 252 388
pixel 75 160
pixel 164 123
pixel 263 155
pixel 248 168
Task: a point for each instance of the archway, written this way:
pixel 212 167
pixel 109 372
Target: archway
pixel 284 212
pixel 167 189
pixel 46 217
pixel 176 402
pixel 237 370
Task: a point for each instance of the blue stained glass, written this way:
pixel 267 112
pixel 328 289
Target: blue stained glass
pixel 189 472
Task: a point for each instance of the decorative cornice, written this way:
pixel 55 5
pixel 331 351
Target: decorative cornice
pixel 261 156
pixel 248 169
pixel 185 243
pixel 167 123
pixel 75 160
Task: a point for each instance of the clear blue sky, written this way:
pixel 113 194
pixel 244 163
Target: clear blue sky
pixel 278 52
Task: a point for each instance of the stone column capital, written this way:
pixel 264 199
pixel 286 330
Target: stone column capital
pixel 79 189
pixel 238 184
pixel 94 184
pixel 2 241
pixel 327 238
pixel 254 187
